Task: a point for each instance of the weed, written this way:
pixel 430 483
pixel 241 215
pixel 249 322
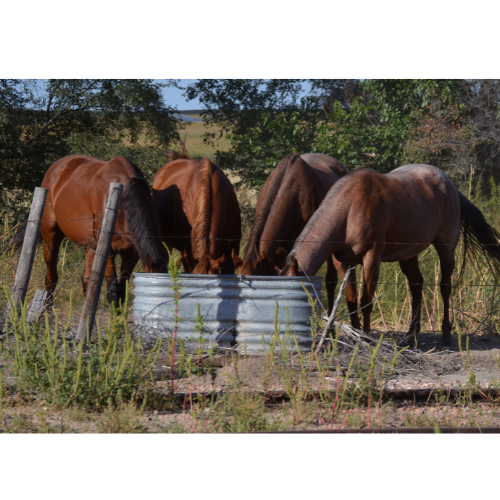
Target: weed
pixel 121 418
pixel 49 367
pixel 239 411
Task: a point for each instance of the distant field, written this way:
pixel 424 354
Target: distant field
pixel 194 132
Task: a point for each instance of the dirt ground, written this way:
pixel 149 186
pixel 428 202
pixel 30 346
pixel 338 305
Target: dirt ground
pixel 191 409
pixel 441 367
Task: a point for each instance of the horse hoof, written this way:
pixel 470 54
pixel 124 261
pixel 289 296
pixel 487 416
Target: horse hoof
pixel 410 344
pixel 447 342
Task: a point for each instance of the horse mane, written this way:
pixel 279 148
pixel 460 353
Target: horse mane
pixel 252 250
pixel 143 226
pixel 203 206
pixel 332 193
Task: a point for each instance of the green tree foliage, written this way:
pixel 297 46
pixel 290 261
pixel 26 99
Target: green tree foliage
pixel 42 121
pixel 381 127
pixel 264 119
pixel 382 124
pixel 255 154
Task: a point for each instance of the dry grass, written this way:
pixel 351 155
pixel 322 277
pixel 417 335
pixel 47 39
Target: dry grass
pixel 194 140
pixel 194 132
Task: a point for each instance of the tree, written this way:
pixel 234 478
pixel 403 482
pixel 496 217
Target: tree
pixel 264 119
pixel 329 91
pixel 40 121
pixel 254 154
pixel 483 112
pixel 380 125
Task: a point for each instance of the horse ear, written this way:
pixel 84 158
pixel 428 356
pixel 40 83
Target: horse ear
pixel 274 267
pixel 295 267
pixel 217 264
pixel 236 258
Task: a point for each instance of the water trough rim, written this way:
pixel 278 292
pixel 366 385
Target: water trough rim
pixel 237 277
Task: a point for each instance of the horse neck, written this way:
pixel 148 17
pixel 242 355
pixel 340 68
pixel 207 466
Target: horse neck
pixel 323 236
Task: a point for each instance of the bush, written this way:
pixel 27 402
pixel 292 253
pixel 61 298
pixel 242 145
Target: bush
pixel 65 373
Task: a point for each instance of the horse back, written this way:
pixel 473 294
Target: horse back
pixel 420 184
pixel 78 188
pixel 76 172
pixel 325 163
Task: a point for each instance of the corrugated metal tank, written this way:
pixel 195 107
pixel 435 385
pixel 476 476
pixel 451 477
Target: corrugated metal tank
pixel 234 308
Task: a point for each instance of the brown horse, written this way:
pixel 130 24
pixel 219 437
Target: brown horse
pixel 368 218
pixel 199 214
pixel 78 188
pixel 290 196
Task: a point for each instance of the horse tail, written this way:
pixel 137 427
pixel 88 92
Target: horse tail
pixel 137 206
pixel 479 238
pixel 17 242
pixel 203 203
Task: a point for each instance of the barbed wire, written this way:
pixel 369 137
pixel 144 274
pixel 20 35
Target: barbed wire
pixel 171 237
pixel 280 240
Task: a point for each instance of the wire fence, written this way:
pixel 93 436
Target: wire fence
pixel 472 298
pixel 264 240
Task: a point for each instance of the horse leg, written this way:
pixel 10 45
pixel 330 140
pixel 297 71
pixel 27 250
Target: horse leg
pixel 52 237
pixel 412 272
pixel 89 261
pixel 129 261
pixel 112 292
pixel 109 275
pixel 447 259
pixel 350 292
pixel 371 270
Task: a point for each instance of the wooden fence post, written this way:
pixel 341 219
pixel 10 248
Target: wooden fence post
pixel 23 272
pixel 101 256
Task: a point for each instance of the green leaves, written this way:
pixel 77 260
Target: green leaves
pixel 378 127
pixel 258 150
pixel 39 121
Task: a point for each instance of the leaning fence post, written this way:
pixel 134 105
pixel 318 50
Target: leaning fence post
pixel 101 256
pixel 23 272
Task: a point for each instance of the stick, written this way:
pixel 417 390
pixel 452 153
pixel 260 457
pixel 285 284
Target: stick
pixel 101 256
pixel 334 310
pixel 23 272
pixel 37 306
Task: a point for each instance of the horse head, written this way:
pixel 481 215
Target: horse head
pixel 206 265
pixel 292 269
pixel 264 266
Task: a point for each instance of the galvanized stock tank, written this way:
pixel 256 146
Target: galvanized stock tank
pixel 234 308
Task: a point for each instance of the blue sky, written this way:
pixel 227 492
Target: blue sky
pixel 173 96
